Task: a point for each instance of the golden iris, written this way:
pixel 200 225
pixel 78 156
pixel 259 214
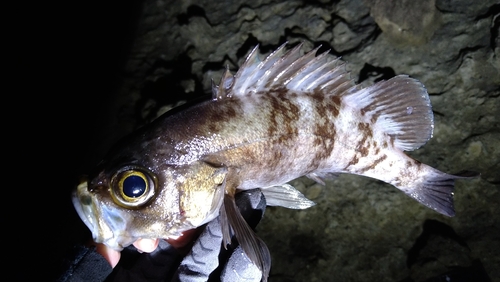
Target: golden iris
pixel 132 187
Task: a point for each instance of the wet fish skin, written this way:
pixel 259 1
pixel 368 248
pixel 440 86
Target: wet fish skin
pixel 273 121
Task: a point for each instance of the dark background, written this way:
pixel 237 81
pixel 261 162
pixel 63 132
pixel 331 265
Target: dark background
pixel 66 62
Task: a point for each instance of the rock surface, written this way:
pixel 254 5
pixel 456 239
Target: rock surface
pixel 361 229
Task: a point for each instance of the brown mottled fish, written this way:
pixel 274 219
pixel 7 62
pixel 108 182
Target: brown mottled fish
pixel 275 120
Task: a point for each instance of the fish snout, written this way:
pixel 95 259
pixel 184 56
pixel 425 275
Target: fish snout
pixel 107 224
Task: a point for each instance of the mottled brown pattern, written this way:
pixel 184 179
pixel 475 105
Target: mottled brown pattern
pixel 373 165
pixel 365 128
pixel 283 113
pixel 364 151
pixel 321 131
pixel 392 138
pixel 413 162
pixel 396 181
pixel 337 101
pixel 364 144
pixel 374 118
pixel 367 132
pixel 385 145
pixel 321 124
pixel 275 155
pixel 326 108
pixel 323 150
pixel 223 112
pixel 353 161
pixel 368 108
pixel 281 127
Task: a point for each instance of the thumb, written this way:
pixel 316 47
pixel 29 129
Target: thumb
pixel 109 254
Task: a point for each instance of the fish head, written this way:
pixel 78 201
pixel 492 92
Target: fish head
pixel 120 204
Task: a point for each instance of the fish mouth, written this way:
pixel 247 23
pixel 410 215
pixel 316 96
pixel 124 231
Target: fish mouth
pixel 107 224
pixel 84 207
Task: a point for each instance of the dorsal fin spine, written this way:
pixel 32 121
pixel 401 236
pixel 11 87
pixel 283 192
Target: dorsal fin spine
pixel 281 68
pixel 251 62
pixel 215 90
pixel 335 73
pixel 302 64
pixel 308 70
pixel 317 74
pixel 265 68
pixel 289 73
pixel 223 90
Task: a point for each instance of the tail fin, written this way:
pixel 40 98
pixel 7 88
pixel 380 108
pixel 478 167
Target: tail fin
pixel 436 191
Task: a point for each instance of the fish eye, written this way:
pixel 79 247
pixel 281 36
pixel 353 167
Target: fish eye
pixel 132 187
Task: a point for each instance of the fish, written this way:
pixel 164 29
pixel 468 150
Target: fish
pixel 289 115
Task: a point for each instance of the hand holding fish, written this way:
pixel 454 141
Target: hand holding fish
pixel 163 260
pixel 113 256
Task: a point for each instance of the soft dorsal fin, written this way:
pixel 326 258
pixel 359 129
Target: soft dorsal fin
pixel 291 70
pixel 400 107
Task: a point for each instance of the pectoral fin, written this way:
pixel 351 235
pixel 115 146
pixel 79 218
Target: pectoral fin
pixel 252 245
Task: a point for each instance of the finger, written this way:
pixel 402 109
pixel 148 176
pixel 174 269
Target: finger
pixel 109 254
pixel 240 268
pixel 146 245
pixel 186 238
pixel 203 258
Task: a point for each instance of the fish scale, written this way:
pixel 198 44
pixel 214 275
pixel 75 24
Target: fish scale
pixel 287 116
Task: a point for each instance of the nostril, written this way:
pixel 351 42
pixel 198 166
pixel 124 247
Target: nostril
pixel 85 200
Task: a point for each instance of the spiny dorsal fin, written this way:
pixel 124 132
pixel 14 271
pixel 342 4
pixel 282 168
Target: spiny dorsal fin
pixel 300 73
pixel 400 107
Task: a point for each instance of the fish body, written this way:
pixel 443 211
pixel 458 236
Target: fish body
pixel 275 120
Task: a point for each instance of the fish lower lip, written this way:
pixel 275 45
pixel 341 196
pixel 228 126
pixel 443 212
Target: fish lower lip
pixel 84 209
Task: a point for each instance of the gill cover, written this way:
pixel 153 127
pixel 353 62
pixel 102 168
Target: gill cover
pixel 202 191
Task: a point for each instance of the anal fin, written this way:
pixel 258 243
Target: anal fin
pixel 286 196
pixel 321 177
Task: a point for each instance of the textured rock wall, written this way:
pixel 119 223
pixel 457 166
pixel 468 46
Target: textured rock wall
pixel 361 229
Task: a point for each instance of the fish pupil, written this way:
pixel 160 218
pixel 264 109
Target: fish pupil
pixel 134 186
